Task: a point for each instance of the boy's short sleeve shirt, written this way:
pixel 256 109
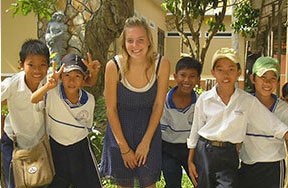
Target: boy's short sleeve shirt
pixel 261 147
pixel 176 123
pixel 216 121
pixel 22 120
pixel 68 124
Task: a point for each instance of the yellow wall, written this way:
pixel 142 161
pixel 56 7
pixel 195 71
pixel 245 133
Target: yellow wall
pixel 15 30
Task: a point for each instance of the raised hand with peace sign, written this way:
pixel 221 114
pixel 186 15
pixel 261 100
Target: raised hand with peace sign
pixel 93 67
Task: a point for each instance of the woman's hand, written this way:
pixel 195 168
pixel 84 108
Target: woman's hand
pixel 129 159
pixel 142 152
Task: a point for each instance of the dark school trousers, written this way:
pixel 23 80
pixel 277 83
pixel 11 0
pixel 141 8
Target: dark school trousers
pixel 174 157
pixel 74 166
pixel 216 166
pixel 6 153
pixel 262 174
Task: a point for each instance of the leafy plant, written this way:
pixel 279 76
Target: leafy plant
pixel 4 110
pixel 98 130
pixel 42 8
pixel 198 89
pixel 192 15
pixel 247 19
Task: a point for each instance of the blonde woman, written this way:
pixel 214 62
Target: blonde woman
pixel 136 83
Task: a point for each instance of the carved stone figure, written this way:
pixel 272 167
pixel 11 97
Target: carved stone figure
pixel 57 36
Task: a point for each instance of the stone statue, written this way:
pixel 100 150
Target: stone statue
pixel 57 36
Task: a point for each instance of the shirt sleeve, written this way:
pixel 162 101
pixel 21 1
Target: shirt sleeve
pixel 6 89
pixel 90 121
pixel 198 122
pixel 265 122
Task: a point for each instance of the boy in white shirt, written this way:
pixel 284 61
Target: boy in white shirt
pixel 23 121
pixel 262 155
pixel 70 111
pixel 220 122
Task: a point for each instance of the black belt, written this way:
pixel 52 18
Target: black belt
pixel 216 143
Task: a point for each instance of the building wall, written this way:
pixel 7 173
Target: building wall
pixel 153 14
pixel 173 47
pixel 15 30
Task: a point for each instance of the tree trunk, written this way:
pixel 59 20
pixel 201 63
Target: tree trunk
pixel 104 27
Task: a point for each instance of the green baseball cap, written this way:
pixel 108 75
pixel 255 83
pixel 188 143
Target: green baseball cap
pixel 264 64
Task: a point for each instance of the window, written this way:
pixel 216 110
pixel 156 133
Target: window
pixel 175 34
pixel 220 35
pixel 161 39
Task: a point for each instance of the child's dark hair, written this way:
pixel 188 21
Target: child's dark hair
pixel 237 64
pixel 189 63
pixel 285 90
pixel 34 47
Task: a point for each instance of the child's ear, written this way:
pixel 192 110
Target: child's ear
pixel 21 65
pixel 175 75
pixel 199 80
pixel 213 72
pixel 252 78
pixel 239 72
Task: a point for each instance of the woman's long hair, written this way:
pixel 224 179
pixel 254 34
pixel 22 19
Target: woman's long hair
pixel 151 54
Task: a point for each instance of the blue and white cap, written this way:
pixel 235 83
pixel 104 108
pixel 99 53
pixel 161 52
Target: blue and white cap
pixel 73 62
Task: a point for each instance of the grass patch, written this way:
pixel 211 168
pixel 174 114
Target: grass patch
pixel 160 184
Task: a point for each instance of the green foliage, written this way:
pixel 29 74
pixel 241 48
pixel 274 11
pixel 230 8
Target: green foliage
pixel 191 14
pixel 199 90
pixel 98 130
pixel 213 25
pixel 4 110
pixel 42 8
pixel 100 113
pixel 247 19
pixel 160 184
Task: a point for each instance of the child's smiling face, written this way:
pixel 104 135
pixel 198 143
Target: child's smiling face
pixel 266 84
pixel 186 79
pixel 35 68
pixel 226 72
pixel 72 81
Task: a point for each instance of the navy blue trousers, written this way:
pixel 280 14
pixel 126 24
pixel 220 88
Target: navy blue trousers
pixel 174 157
pixel 6 153
pixel 216 166
pixel 74 166
pixel 264 174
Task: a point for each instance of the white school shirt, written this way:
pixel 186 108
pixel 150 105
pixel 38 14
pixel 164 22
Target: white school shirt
pixel 176 123
pixel 26 123
pixel 261 147
pixel 68 123
pixel 214 120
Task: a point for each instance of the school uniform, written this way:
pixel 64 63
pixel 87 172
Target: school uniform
pixel 175 127
pixel 263 155
pixel 22 120
pixel 218 127
pixel 72 155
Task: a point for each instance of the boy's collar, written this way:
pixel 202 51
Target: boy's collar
pixel 22 86
pixel 83 97
pixel 214 94
pixel 170 94
pixel 274 105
